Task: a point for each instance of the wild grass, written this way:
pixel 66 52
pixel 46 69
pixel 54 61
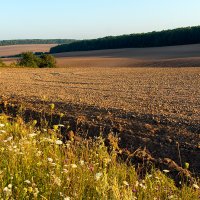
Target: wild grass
pixel 36 164
pixel 2 64
pixel 11 65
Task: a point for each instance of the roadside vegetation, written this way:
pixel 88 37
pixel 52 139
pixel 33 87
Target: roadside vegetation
pixel 37 164
pixel 180 36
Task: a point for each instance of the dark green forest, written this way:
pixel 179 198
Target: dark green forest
pixel 35 41
pixel 179 36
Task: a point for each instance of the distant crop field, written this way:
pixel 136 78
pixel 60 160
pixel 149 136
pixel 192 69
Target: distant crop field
pixel 172 56
pixel 17 49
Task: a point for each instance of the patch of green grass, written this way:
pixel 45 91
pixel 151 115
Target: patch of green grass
pixel 36 164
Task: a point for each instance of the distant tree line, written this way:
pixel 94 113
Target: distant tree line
pixel 35 41
pixel 180 36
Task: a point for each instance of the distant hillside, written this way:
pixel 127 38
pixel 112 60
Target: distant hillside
pixel 180 36
pixel 35 41
pixel 15 50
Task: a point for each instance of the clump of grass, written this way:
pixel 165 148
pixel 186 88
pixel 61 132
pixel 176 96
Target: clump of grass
pixel 11 65
pixel 2 64
pixel 36 164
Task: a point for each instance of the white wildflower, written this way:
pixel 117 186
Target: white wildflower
pixel 82 162
pixel 67 198
pixel 9 139
pixel 98 176
pixel 7 191
pixel 59 142
pixel 53 164
pixel 67 145
pixel 142 186
pixel 27 181
pixel 2 125
pixel 65 171
pixel 166 171
pixel 195 186
pixel 61 125
pixel 73 166
pixel 125 183
pixel 50 160
pixel 149 176
pixel 2 131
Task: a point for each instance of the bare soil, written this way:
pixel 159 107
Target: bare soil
pixel 156 108
pixel 174 56
pixel 12 50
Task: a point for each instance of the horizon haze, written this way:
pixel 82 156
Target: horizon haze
pixel 93 19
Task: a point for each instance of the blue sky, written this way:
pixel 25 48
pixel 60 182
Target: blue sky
pixel 80 19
